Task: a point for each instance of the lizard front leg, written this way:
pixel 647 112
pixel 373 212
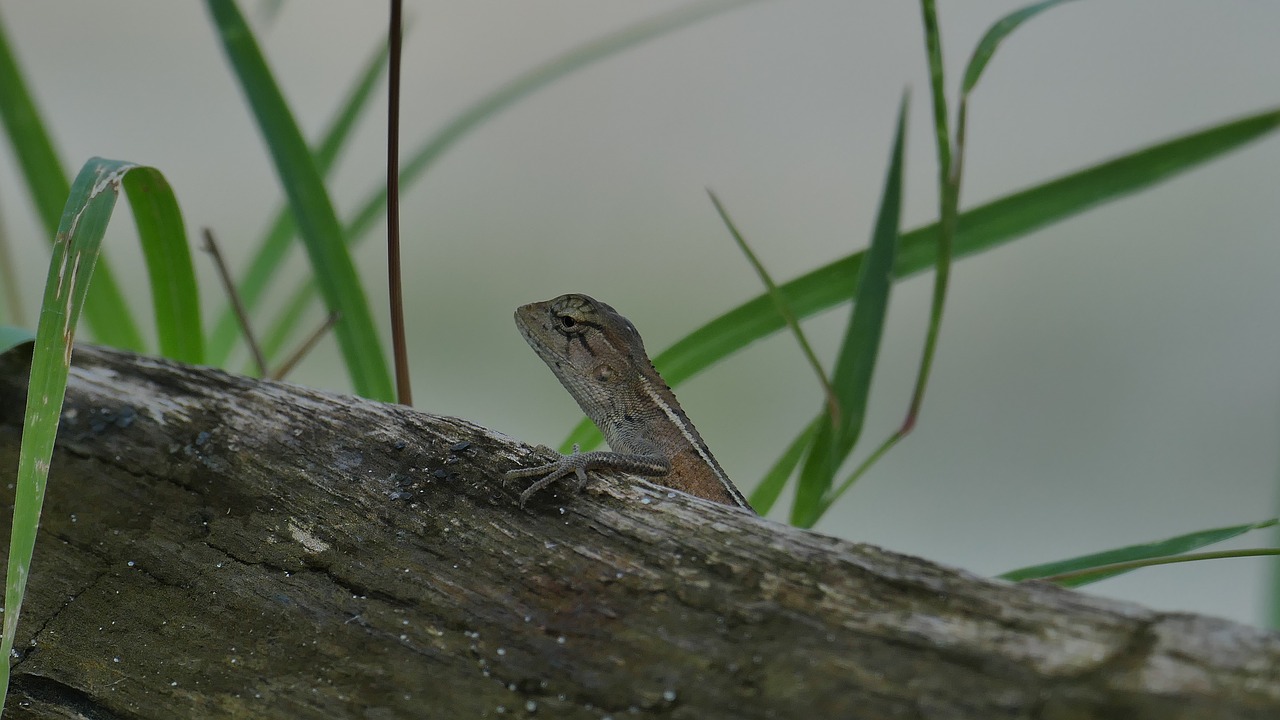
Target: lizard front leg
pixel 579 463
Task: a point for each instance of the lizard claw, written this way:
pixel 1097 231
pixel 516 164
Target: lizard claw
pixel 574 463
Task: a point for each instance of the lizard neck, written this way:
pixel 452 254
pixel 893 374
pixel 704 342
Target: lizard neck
pixel 698 467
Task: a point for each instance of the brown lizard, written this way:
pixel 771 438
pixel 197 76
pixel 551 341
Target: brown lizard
pixel 599 358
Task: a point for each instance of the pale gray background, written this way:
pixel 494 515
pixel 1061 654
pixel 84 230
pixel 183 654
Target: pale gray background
pixel 1110 380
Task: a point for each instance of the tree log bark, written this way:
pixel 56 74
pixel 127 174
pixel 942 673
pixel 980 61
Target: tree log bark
pixel 218 546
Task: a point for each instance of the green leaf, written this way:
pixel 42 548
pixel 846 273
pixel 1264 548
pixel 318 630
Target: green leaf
pixel 311 206
pixel 995 35
pixel 11 337
pixel 173 280
pixel 937 88
pixel 767 492
pixel 107 315
pixel 1147 551
pixel 76 249
pixel 982 228
pixel 491 105
pixel 279 238
pixel 857 360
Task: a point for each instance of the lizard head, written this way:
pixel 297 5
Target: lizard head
pixel 589 346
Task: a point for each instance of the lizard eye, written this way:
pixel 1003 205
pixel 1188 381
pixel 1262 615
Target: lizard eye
pixel 567 322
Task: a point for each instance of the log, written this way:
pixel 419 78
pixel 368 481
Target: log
pixel 218 546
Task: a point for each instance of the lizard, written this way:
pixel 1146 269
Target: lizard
pixel 598 356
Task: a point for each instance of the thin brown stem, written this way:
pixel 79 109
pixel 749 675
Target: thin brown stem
pixel 404 394
pixel 288 365
pixel 211 247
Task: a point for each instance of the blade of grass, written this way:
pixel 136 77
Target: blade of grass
pixel 949 199
pixel 168 256
pixel 1147 551
pixel 767 492
pixel 491 106
pixel 951 172
pixel 312 208
pixel 937 88
pixel 995 35
pixel 981 228
pixel 107 315
pixel 1078 578
pixel 76 249
pixel 779 302
pixel 856 363
pixel 279 237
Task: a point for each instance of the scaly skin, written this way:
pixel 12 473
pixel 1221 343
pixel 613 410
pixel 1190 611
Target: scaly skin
pixel 600 359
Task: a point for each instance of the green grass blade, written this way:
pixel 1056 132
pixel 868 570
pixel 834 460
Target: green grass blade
pixel 311 206
pixel 1077 578
pixel 107 315
pixel 75 253
pixel 995 35
pixel 982 228
pixel 279 238
pixel 11 337
pixel 780 302
pixel 491 105
pixel 937 88
pixel 766 493
pixel 173 280
pixel 1148 551
pixel 857 359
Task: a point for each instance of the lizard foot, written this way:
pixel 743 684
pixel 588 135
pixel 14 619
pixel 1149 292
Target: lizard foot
pixel 575 463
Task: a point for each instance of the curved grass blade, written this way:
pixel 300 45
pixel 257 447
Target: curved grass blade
pixel 492 105
pixel 311 206
pixel 1133 553
pixel 76 249
pixel 856 363
pixel 168 256
pixel 982 228
pixel 107 314
pixel 996 34
pixel 279 238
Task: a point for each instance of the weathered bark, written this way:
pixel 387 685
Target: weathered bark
pixel 216 546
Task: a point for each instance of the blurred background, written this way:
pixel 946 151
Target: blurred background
pixel 1106 381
